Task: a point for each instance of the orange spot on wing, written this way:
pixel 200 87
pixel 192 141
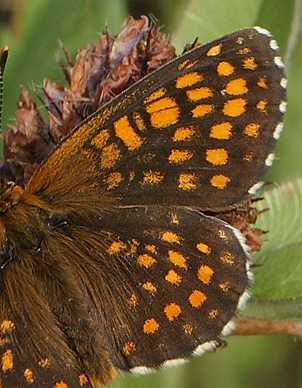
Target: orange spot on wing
pixel 236 87
pixel 151 248
pixel 150 287
pixel 252 130
pixel 183 133
pixel 164 112
pixel 220 181
pixel 171 237
pixel 189 79
pixel 29 376
pixel 7 326
pixel 197 298
pixel 222 131
pixel 202 110
pixel 126 133
pixel 133 246
pixel 234 108
pixel 129 348
pixel 172 311
pixel 262 105
pixel 83 380
pixel 7 360
pixel 187 181
pixel 139 121
pixel 205 274
pixel 133 300
pixel 173 277
pixel 61 384
pixel 116 247
pixel 215 50
pixel 180 156
pixel 178 259
pixel 150 326
pixel 199 93
pixel 225 69
pixel 250 64
pixel 152 177
pixel 262 83
pixel 146 260
pixel 3 342
pixel 113 180
pixel 204 248
pixel 217 157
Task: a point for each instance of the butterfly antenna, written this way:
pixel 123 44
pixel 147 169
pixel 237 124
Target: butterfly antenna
pixel 3 58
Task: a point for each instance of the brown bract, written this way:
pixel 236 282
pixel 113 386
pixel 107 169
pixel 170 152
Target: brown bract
pixel 241 218
pixel 100 72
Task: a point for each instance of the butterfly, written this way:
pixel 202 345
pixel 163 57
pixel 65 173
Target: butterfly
pixel 111 255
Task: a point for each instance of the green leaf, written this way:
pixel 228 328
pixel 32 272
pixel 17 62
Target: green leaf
pixel 269 17
pixel 208 20
pixel 280 273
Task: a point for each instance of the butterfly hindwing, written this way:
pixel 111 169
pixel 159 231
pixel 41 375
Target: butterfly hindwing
pixel 140 278
pixel 160 274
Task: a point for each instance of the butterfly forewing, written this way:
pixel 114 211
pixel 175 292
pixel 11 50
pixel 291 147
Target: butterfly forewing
pixel 203 128
pixel 109 229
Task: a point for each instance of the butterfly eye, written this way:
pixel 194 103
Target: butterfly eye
pixel 56 221
pixel 5 258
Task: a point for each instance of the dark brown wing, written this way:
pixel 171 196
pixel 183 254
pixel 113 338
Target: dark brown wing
pixel 166 281
pixel 199 131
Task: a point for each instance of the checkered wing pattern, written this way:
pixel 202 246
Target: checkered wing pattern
pixel 124 268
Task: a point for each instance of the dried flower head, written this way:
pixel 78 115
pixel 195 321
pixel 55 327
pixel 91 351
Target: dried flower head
pixel 100 72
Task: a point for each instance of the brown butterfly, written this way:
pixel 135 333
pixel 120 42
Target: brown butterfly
pixel 109 257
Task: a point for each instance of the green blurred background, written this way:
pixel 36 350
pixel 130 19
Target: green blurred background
pixel 32 29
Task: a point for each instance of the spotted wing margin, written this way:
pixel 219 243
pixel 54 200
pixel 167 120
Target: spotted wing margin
pixel 166 282
pixel 200 131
